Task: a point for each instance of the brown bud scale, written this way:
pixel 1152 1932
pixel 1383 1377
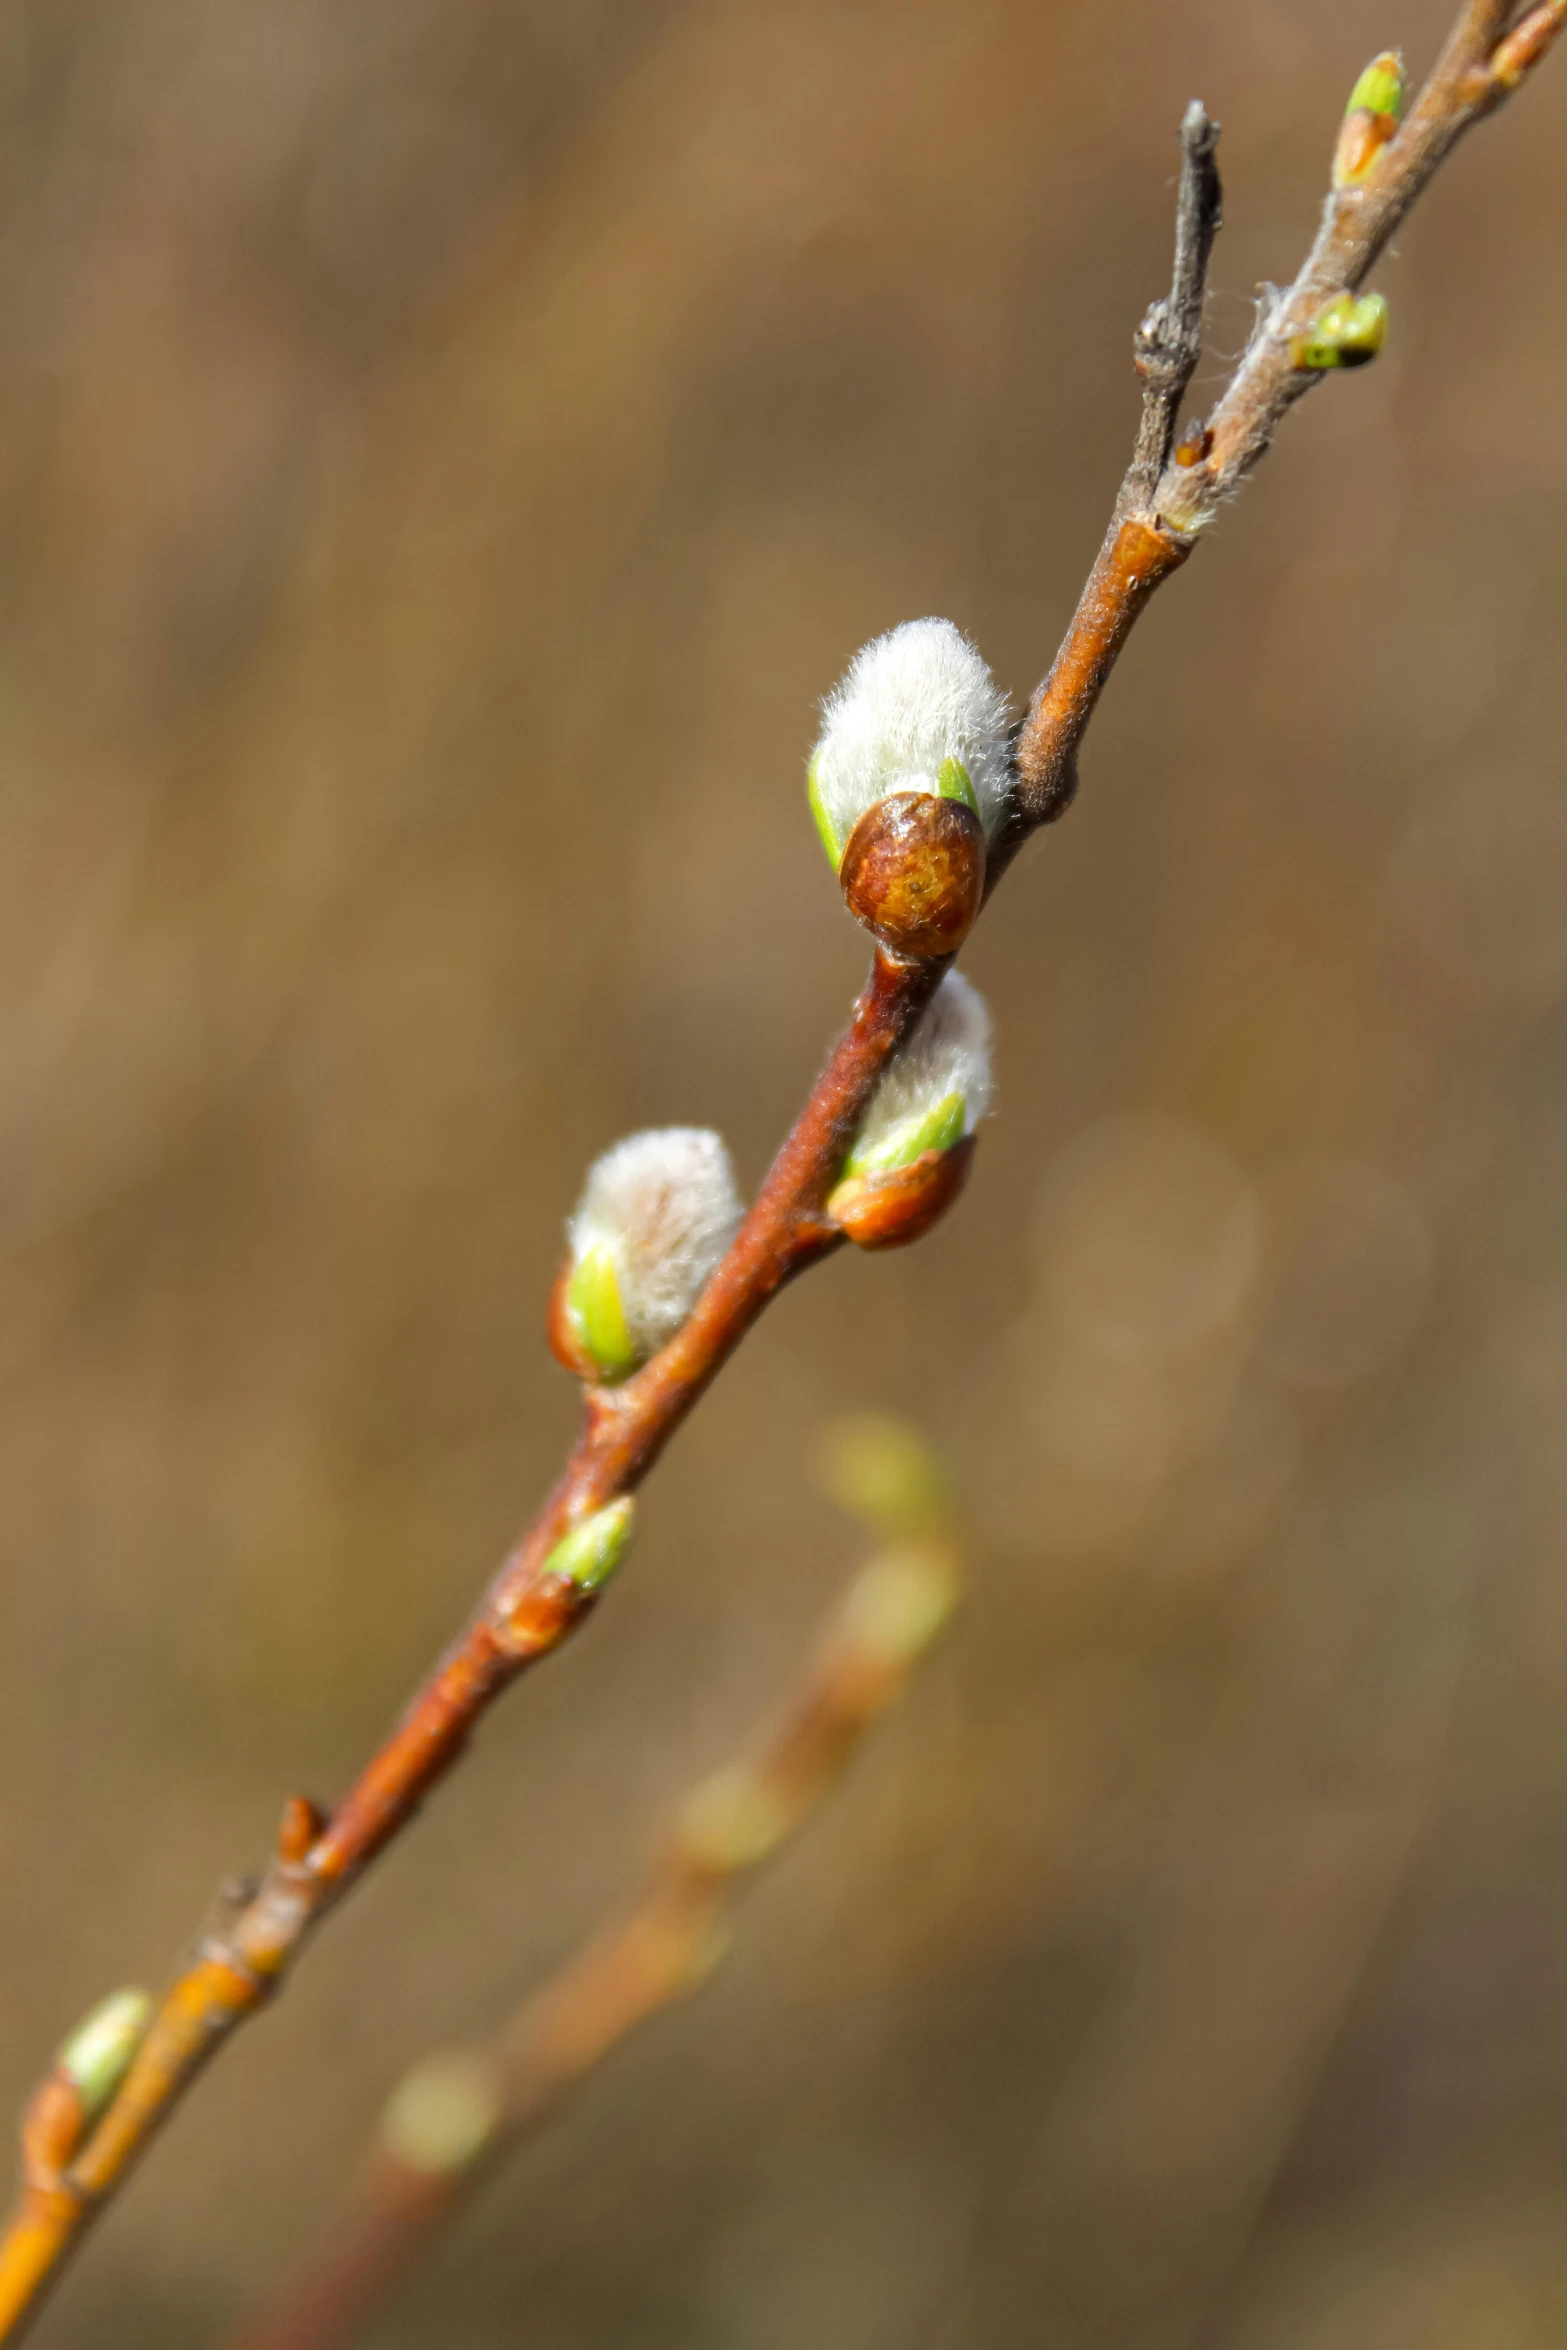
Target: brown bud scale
pixel 889 1210
pixel 543 1615
pixel 560 1330
pixel 1360 142
pixel 301 1824
pixel 914 872
pixel 53 2124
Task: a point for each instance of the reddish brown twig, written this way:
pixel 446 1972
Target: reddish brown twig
pixel 457 2114
pixel 529 1610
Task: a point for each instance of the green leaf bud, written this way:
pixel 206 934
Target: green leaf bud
pixel 1380 89
pixel 1347 332
pixel 591 1553
pixel 99 2053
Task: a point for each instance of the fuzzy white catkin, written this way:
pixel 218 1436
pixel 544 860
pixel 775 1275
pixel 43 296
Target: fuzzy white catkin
pixel 664 1205
pixel 948 1053
pixel 911 699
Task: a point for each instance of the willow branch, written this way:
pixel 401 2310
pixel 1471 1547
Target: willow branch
pixel 530 1609
pixel 457 2115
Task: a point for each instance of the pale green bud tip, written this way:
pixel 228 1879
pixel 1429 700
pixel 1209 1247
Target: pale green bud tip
pixel 899 1604
pixel 952 783
pixel 938 1129
pixel 99 2053
pixel 592 1552
pixel 1380 89
pixel 1347 332
pixel 882 1471
pixel 598 1319
pixel 831 838
pixel 443 2113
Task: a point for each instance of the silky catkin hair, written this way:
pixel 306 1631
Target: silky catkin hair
pixel 949 1052
pixel 909 701
pixel 664 1205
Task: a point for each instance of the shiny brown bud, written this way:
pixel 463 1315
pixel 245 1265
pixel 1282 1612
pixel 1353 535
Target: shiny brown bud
pixel 891 1208
pixel 914 872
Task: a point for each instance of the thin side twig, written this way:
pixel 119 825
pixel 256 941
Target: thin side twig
pixel 1137 552
pixel 528 1610
pixel 1168 344
pixel 457 2115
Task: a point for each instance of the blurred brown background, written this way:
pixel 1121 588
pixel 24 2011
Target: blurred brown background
pixel 446 449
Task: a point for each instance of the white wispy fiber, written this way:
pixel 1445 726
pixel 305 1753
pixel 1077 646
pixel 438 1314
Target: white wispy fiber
pixel 910 700
pixel 664 1206
pixel 948 1054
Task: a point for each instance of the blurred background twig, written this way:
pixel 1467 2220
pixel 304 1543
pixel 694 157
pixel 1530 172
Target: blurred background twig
pixel 458 2113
